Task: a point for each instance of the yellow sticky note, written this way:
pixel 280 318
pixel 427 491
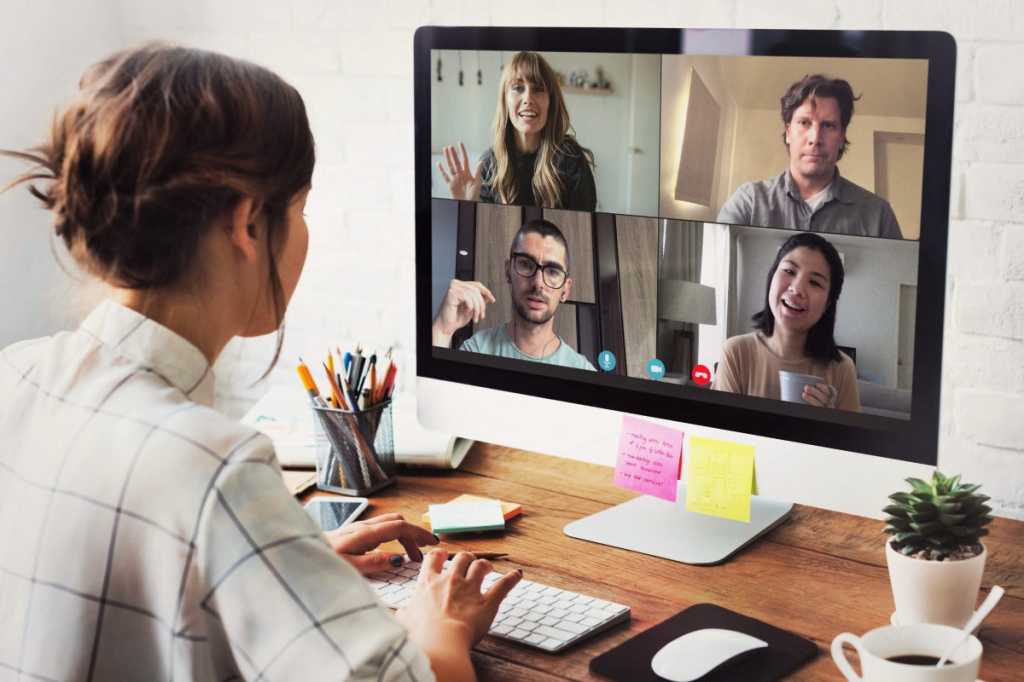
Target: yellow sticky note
pixel 719 478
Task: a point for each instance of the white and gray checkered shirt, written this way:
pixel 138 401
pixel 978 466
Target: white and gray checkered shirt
pixel 144 536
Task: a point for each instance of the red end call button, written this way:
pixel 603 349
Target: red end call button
pixel 701 375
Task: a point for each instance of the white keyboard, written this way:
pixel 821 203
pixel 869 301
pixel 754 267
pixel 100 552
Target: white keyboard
pixel 533 614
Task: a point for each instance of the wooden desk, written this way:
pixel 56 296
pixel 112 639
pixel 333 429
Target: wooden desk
pixel 817 575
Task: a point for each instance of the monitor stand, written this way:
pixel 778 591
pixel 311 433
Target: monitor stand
pixel 665 529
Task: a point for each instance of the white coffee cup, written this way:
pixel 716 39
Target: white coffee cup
pixel 791 386
pixel 921 639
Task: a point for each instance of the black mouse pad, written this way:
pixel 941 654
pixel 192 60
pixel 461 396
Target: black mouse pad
pixel 786 652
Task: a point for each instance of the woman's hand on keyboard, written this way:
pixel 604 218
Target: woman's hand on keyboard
pixel 358 541
pixel 448 602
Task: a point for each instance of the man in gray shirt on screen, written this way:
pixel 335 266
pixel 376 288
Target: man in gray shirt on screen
pixel 537 272
pixel 811 194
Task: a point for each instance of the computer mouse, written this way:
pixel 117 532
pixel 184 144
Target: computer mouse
pixel 695 654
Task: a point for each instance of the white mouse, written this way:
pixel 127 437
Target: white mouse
pixel 695 654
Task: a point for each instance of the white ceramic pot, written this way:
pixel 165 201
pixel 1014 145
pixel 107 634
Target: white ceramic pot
pixel 943 592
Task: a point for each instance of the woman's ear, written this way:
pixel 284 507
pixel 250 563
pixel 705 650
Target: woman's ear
pixel 242 229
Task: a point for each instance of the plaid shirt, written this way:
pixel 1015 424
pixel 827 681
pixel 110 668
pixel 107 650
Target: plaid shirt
pixel 144 536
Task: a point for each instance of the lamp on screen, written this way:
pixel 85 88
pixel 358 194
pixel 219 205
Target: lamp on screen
pixel 684 301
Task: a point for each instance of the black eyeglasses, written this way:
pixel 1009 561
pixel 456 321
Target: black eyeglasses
pixel 525 266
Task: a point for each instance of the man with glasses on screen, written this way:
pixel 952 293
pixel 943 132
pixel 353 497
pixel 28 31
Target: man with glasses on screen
pixel 537 272
pixel 811 194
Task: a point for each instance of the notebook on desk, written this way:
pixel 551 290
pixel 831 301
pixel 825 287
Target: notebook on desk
pixel 284 415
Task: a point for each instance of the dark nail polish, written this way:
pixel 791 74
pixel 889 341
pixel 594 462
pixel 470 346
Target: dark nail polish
pixel 395 561
pixel 437 538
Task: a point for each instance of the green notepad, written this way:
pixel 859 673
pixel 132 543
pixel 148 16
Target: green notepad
pixel 466 517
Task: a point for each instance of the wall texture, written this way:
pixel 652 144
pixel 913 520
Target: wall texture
pixel 352 61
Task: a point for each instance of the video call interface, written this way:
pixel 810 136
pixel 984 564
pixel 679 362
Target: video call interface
pixel 743 228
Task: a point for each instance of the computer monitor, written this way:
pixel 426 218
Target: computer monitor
pixel 749 243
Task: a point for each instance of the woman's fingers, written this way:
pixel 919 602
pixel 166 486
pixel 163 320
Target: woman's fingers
pixel 369 537
pixel 433 562
pixel 465 158
pixel 478 570
pixel 390 516
pixel 375 562
pixel 502 586
pixel 447 178
pixel 461 563
pixel 449 157
pixel 816 395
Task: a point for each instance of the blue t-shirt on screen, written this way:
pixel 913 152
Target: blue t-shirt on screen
pixel 496 341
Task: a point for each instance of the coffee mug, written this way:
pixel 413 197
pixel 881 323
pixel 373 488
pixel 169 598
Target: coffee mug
pixel 920 641
pixel 791 385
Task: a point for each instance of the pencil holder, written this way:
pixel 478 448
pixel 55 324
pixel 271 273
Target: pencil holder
pixel 355 451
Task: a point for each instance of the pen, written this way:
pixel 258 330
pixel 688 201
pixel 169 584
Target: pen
pixel 349 394
pixel 490 556
pixel 363 375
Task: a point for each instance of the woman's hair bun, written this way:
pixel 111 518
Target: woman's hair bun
pixel 160 142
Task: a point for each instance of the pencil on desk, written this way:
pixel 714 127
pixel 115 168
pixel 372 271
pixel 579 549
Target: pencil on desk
pixel 373 379
pixel 389 381
pixel 307 381
pixel 335 389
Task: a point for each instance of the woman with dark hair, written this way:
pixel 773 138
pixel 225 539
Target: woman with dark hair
pixel 151 537
pixel 794 330
pixel 535 159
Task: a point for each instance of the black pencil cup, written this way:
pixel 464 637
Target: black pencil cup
pixel 355 451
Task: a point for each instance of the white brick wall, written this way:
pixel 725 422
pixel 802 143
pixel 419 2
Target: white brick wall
pixel 352 61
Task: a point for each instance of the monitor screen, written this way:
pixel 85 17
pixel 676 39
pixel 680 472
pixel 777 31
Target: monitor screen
pixel 743 229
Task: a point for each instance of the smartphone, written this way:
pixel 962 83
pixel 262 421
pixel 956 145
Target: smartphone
pixel 334 513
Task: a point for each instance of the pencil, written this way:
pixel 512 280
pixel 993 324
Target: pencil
pixel 307 381
pixel 335 389
pixel 389 381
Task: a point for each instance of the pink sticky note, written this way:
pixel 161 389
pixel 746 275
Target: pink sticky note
pixel 649 458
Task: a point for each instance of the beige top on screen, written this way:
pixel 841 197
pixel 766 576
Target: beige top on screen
pixel 152 538
pixel 750 367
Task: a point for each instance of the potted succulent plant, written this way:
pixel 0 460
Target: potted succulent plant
pixel 934 552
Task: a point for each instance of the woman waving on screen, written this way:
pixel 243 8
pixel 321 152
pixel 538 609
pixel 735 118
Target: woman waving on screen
pixel 535 159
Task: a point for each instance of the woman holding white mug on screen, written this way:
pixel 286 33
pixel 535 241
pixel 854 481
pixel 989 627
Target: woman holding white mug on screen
pixel 535 159
pixel 794 331
pixel 154 536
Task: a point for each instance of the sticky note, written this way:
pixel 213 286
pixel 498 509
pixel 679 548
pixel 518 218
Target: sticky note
pixel 720 478
pixel 649 458
pixel 509 510
pixel 465 517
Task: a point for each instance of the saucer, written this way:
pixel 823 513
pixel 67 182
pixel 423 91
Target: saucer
pixel 893 621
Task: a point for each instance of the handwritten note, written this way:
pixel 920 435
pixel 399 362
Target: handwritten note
pixel 650 456
pixel 720 478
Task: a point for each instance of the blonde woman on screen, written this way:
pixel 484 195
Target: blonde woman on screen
pixel 535 160
pixel 155 538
